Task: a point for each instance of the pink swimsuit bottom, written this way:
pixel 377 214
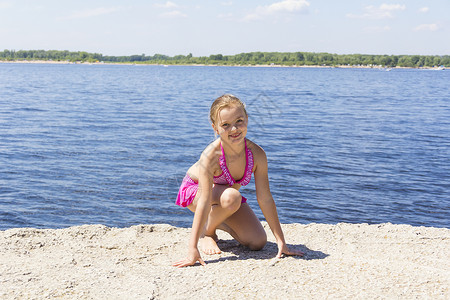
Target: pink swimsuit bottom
pixel 189 187
pixel 188 190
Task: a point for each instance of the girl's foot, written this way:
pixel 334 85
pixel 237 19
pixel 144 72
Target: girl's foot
pixel 208 244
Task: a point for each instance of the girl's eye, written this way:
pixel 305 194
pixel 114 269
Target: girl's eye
pixel 225 125
pixel 240 121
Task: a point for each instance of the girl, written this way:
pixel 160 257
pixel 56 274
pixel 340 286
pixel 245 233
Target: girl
pixel 211 187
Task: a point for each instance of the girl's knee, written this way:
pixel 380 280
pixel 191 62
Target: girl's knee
pixel 231 199
pixel 258 242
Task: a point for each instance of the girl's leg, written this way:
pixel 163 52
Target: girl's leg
pixel 245 227
pixel 225 202
pixel 227 213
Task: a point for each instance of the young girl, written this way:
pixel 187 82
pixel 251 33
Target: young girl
pixel 211 187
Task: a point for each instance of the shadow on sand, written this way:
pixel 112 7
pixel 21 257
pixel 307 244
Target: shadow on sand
pixel 269 251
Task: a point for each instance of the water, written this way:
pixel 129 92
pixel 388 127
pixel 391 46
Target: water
pixel 109 144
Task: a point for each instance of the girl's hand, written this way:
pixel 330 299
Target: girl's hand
pixel 192 258
pixel 284 249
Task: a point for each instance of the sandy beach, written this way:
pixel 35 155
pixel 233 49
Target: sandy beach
pixel 356 261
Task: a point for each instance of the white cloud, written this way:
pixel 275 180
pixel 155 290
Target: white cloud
pixel 168 4
pixel 382 12
pixel 173 14
pixel 91 13
pixel 424 9
pixel 286 6
pixel 227 16
pixel 392 7
pixel 228 3
pixel 427 27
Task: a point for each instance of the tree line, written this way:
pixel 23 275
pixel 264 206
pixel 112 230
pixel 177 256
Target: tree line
pixel 251 58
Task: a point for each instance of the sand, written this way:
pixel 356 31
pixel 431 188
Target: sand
pixel 357 261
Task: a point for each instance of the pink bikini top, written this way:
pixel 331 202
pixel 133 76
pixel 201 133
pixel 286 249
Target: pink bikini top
pixel 226 178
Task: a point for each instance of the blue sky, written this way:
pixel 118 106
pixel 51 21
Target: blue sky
pixel 201 27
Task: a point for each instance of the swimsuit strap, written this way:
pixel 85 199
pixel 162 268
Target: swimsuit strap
pixel 225 171
pixel 248 166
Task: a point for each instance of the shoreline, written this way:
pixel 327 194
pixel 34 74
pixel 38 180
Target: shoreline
pixel 214 65
pixel 342 261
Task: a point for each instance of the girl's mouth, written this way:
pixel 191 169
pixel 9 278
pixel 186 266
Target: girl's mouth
pixel 236 135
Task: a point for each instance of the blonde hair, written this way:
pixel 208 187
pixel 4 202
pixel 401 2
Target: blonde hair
pixel 223 101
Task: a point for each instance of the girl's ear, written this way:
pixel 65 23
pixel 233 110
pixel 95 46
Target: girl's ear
pixel 214 128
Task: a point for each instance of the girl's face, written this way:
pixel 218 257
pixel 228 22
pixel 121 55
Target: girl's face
pixel 231 124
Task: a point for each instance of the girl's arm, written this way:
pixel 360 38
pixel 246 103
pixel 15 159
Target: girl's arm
pixel 205 182
pixel 267 204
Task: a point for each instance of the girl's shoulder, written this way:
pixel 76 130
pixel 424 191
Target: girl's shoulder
pixel 212 147
pixel 212 151
pixel 208 161
pixel 258 151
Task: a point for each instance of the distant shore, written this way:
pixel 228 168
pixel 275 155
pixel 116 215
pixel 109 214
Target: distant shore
pixel 343 261
pixel 211 65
